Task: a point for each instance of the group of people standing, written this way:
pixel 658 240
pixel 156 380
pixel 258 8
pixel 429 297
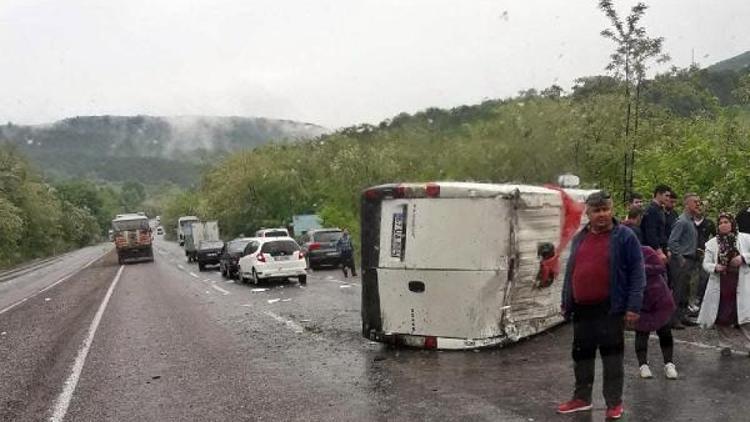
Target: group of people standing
pixel 705 261
pixel 654 272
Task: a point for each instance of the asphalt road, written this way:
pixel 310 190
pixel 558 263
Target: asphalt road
pixel 162 341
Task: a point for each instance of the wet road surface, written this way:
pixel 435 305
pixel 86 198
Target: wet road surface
pixel 172 343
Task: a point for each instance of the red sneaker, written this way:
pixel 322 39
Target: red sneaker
pixel 575 405
pixel 615 412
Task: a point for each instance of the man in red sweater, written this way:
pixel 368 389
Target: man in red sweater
pixel 602 293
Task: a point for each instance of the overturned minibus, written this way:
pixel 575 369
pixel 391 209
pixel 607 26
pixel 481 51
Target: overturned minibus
pixel 452 265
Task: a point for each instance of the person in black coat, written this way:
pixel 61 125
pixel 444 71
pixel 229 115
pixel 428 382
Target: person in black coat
pixel 743 219
pixel 654 222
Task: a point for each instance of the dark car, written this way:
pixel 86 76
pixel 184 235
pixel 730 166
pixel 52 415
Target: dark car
pixel 230 256
pixel 319 246
pixel 208 253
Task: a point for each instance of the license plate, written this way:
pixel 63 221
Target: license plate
pixel 398 232
pixel 332 253
pixel 282 258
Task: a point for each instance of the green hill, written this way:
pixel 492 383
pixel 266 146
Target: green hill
pixel 737 63
pixel 144 148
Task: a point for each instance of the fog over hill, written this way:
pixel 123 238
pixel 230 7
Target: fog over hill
pixel 145 148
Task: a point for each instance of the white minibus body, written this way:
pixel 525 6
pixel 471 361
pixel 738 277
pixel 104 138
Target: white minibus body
pixel 456 265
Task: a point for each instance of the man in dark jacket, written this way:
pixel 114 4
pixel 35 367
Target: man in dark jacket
pixel 743 219
pixel 633 222
pixel 602 292
pixel 654 223
pixel 346 249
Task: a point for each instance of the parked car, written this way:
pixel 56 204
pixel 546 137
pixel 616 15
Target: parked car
pixel 230 256
pixel 281 232
pixel 208 253
pixel 159 230
pixel 319 246
pixel 272 258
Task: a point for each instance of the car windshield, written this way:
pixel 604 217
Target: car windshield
pixel 331 236
pixel 280 247
pixel 238 246
pixel 211 244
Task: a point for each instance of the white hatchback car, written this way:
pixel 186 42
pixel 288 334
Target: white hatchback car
pixel 272 257
pixel 280 232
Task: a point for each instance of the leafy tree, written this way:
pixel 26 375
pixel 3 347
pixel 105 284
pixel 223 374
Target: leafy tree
pixel 742 92
pixel 133 195
pixel 632 52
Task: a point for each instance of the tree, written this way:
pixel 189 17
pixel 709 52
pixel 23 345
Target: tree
pixel 554 92
pixel 133 195
pixel 629 61
pixel 742 92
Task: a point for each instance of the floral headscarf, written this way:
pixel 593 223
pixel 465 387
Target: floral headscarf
pixel 727 242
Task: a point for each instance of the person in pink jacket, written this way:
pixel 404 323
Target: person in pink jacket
pixel 658 307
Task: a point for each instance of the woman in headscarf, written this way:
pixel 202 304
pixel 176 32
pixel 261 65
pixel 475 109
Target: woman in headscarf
pixel 726 302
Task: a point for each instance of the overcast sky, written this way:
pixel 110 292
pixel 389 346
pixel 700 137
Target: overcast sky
pixel 330 62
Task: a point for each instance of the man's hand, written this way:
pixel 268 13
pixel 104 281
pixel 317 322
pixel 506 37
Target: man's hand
pixel 736 261
pixel 631 318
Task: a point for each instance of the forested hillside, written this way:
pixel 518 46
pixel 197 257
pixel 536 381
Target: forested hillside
pixel 144 148
pixel 35 220
pixel 693 132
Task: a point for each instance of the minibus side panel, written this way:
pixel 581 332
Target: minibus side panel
pixel 461 304
pixel 454 233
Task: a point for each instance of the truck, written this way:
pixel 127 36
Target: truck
pixel 182 224
pixel 132 237
pixel 451 265
pixel 197 231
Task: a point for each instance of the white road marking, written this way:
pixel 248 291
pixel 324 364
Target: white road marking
pixel 65 397
pixel 273 300
pixel 220 289
pixel 258 290
pixel 287 322
pixel 194 275
pixel 344 286
pixel 180 267
pixel 51 285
